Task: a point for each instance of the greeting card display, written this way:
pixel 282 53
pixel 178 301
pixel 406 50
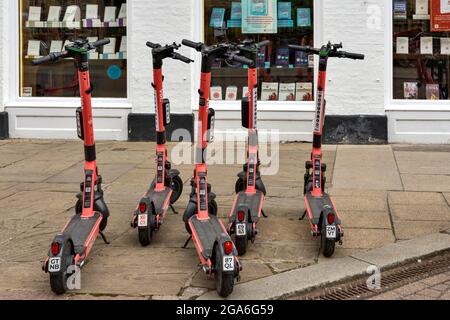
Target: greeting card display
pixel 34 49
pixel 216 93
pixel 53 18
pixel 426 45
pixel 402 45
pixel 287 92
pixel 282 57
pixel 34 18
pixel 231 93
pixel 109 50
pixel 72 18
pixel 445 46
pixel 303 17
pixel 122 54
pixel 109 19
pixel 217 18
pixel 422 12
pixel 411 90
pixel 303 91
pixel 92 19
pixel 56 46
pixel 432 92
pixel 269 91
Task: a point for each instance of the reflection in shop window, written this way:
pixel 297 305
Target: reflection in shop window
pixel 421 49
pixel 48 25
pixel 283 75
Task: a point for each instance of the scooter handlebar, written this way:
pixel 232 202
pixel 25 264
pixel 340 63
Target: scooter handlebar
pixel 153 45
pixel 349 55
pixel 54 56
pixel 194 45
pixel 304 49
pixel 241 59
pixel 100 43
pixel 263 43
pixel 182 58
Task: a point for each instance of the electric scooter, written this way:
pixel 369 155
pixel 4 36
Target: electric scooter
pixel 320 208
pixel 167 185
pixel 250 190
pixel 70 248
pixel 215 248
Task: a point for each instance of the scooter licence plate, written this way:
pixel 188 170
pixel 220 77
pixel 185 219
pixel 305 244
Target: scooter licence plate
pixel 241 229
pixel 331 232
pixel 54 264
pixel 142 220
pixel 228 263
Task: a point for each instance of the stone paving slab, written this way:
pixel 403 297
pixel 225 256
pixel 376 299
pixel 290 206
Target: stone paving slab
pixel 423 162
pixel 426 183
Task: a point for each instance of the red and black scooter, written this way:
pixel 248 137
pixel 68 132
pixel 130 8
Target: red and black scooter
pixel 320 208
pixel 167 185
pixel 70 248
pixel 250 190
pixel 215 248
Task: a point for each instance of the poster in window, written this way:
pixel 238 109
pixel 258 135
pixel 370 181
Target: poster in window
pixel 440 15
pixel 259 16
pixel 303 17
pixel 411 90
pixel 217 18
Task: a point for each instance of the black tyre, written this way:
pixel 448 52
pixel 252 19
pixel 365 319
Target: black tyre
pixel 146 234
pixel 190 211
pixel 241 244
pixel 239 186
pixel 79 209
pixel 177 189
pixel 327 245
pixel 58 281
pixel 224 281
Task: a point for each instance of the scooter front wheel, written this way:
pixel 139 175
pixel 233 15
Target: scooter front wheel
pixel 224 281
pixel 177 189
pixel 58 280
pixel 327 245
pixel 239 185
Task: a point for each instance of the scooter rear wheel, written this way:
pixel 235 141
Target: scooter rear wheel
pixel 327 245
pixel 177 189
pixel 58 281
pixel 146 234
pixel 239 186
pixel 241 244
pixel 224 281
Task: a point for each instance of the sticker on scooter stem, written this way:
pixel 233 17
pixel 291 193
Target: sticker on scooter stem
pixel 331 232
pixel 318 117
pixel 54 264
pixel 241 229
pixel 228 263
pixel 142 220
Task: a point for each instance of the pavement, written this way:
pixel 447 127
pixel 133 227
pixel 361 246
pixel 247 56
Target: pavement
pixel 386 195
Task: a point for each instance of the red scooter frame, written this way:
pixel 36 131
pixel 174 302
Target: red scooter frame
pixel 250 190
pixel 70 249
pixel 215 249
pixel 167 185
pixel 320 208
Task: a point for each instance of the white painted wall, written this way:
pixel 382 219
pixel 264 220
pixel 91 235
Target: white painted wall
pixel 164 22
pixel 355 87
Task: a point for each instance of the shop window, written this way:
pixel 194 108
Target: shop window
pixel 284 75
pixel 48 25
pixel 421 49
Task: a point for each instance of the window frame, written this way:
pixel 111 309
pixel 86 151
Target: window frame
pixel 224 105
pixel 14 98
pixel 392 104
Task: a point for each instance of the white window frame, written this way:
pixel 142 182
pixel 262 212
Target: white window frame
pixel 198 35
pixel 392 104
pixel 14 98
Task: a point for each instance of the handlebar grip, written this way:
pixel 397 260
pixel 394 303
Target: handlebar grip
pixel 242 60
pixel 194 45
pixel 182 58
pixel 263 43
pixel 152 45
pixel 101 43
pixel 51 57
pixel 304 49
pixel 349 55
pixel 41 60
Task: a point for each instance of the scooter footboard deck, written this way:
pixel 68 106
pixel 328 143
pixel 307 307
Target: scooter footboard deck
pixel 160 199
pixel 316 205
pixel 79 230
pixel 253 201
pixel 206 231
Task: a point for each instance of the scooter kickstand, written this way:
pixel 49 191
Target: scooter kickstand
pixel 104 238
pixel 173 209
pixel 303 216
pixel 187 242
pixel 264 214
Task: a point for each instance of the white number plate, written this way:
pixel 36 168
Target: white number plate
pixel 241 229
pixel 54 264
pixel 331 232
pixel 142 220
pixel 228 263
